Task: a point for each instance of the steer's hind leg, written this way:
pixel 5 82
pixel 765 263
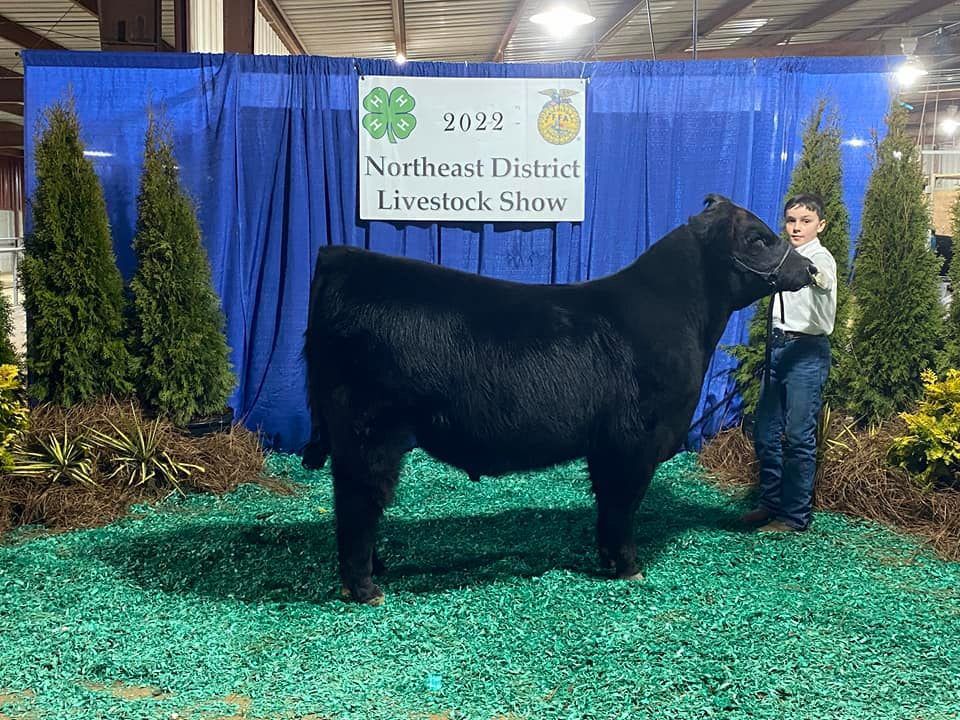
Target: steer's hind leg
pixel 364 479
pixel 619 481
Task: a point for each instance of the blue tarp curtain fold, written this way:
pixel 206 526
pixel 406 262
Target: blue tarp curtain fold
pixel 267 147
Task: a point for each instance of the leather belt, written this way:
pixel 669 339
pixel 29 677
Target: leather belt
pixel 793 335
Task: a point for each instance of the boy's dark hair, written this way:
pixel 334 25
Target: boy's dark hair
pixel 810 201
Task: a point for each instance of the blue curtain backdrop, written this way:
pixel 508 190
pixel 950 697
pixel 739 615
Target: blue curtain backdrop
pixel 267 146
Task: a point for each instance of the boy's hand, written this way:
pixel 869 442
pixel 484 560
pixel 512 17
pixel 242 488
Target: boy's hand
pixel 821 281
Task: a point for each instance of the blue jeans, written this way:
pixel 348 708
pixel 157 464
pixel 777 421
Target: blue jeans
pixel 785 433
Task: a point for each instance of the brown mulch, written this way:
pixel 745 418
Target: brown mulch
pixel 228 458
pixel 854 478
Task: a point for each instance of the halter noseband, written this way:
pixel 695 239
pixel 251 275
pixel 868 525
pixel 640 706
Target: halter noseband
pixel 771 276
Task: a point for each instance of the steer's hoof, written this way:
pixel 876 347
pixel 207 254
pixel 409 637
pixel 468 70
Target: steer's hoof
pixel 634 576
pixel 371 595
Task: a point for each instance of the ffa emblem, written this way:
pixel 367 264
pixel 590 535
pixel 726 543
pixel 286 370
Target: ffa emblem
pixel 559 121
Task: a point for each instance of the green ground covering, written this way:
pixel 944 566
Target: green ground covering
pixel 227 607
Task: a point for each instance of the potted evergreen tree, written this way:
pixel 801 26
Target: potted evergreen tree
pixel 898 327
pixel 177 325
pixel 8 353
pixel 818 171
pixel 952 358
pixel 73 292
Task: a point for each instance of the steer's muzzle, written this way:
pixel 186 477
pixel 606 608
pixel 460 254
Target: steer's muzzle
pixel 797 272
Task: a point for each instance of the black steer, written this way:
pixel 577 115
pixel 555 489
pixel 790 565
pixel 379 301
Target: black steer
pixel 494 377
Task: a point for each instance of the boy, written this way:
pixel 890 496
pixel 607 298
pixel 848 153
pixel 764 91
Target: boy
pixel 785 432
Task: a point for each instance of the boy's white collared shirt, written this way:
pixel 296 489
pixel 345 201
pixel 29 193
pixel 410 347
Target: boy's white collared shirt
pixel 813 309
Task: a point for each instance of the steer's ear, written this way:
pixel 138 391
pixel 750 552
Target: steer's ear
pixel 711 215
pixel 711 200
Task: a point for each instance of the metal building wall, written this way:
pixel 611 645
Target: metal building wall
pixel 206 26
pixel 168 31
pixel 265 39
pixel 942 161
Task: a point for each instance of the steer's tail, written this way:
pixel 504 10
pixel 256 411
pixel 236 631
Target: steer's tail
pixel 315 452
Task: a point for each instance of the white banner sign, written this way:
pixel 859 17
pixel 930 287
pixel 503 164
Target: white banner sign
pixel 476 149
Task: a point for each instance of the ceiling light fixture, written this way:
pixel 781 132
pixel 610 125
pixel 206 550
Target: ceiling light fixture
pixel 950 122
pixel 911 70
pixel 400 59
pixel 562 17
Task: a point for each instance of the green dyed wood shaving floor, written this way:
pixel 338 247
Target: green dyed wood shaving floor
pixel 226 608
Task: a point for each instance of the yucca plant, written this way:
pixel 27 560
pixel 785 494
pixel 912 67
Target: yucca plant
pixel 139 455
pixel 58 459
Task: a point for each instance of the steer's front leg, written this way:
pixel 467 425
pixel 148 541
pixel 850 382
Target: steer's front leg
pixel 619 484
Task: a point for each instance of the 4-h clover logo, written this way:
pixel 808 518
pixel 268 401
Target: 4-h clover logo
pixel 389 114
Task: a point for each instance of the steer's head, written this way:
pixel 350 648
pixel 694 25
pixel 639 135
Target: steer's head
pixel 755 260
